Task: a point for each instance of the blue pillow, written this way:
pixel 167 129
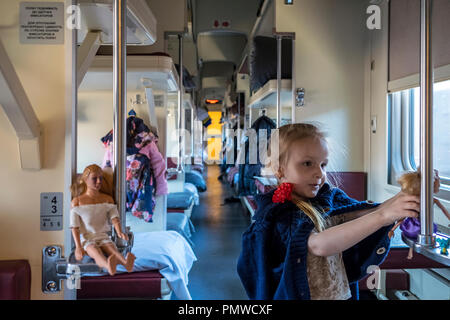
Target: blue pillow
pixel 189 187
pixel 180 200
pixel 180 223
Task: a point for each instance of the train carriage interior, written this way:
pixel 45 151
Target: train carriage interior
pixel 174 104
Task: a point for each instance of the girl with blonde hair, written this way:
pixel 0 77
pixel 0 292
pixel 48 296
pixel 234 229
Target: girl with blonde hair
pixel 90 217
pixel 309 240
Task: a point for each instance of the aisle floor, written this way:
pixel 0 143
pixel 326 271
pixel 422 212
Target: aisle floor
pixel 217 241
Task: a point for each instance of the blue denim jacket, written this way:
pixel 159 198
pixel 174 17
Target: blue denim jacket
pixel 272 263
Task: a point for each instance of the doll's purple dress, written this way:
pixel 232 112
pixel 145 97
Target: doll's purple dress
pixel 411 228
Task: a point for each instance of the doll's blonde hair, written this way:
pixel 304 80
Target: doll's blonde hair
pixel 287 135
pixel 410 182
pixel 79 186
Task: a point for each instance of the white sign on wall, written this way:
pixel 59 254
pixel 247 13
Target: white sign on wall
pixel 42 22
pixel 51 211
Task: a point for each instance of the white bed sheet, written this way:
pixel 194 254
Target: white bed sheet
pixel 168 252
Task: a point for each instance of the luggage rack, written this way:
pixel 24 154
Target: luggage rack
pixel 56 268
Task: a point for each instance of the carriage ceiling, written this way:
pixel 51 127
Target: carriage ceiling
pixel 220 29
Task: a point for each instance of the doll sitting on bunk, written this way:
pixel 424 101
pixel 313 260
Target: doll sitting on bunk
pixel 90 217
pixel 410 184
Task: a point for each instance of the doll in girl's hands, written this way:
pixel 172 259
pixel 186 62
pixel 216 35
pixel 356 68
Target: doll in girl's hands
pixel 90 215
pixel 410 184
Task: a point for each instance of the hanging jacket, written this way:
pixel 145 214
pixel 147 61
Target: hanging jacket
pixel 140 186
pixel 272 263
pixel 140 140
pixel 145 167
pixel 188 81
pixel 159 167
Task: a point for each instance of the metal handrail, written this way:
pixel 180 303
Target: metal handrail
pixel 181 124
pixel 279 44
pixel 119 103
pixel 293 82
pixel 426 240
pixel 426 126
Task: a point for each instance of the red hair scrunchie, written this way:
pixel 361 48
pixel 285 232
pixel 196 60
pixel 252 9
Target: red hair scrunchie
pixel 283 193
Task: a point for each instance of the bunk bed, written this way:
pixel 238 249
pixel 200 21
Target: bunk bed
pixel 265 97
pixel 163 259
pixel 155 265
pixel 267 58
pixel 265 100
pixel 142 71
pixel 265 61
pixel 95 27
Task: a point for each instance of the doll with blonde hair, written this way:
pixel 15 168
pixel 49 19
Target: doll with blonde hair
pixel 90 217
pixel 410 183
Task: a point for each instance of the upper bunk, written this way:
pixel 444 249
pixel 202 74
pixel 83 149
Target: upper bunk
pixel 158 69
pixel 266 96
pixel 98 15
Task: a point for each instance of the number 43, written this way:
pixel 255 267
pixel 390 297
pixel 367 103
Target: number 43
pixel 54 203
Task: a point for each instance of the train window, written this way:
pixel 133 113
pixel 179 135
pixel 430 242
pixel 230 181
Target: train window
pixel 404 133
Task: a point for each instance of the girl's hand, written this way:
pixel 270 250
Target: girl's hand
pixel 79 253
pixel 400 206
